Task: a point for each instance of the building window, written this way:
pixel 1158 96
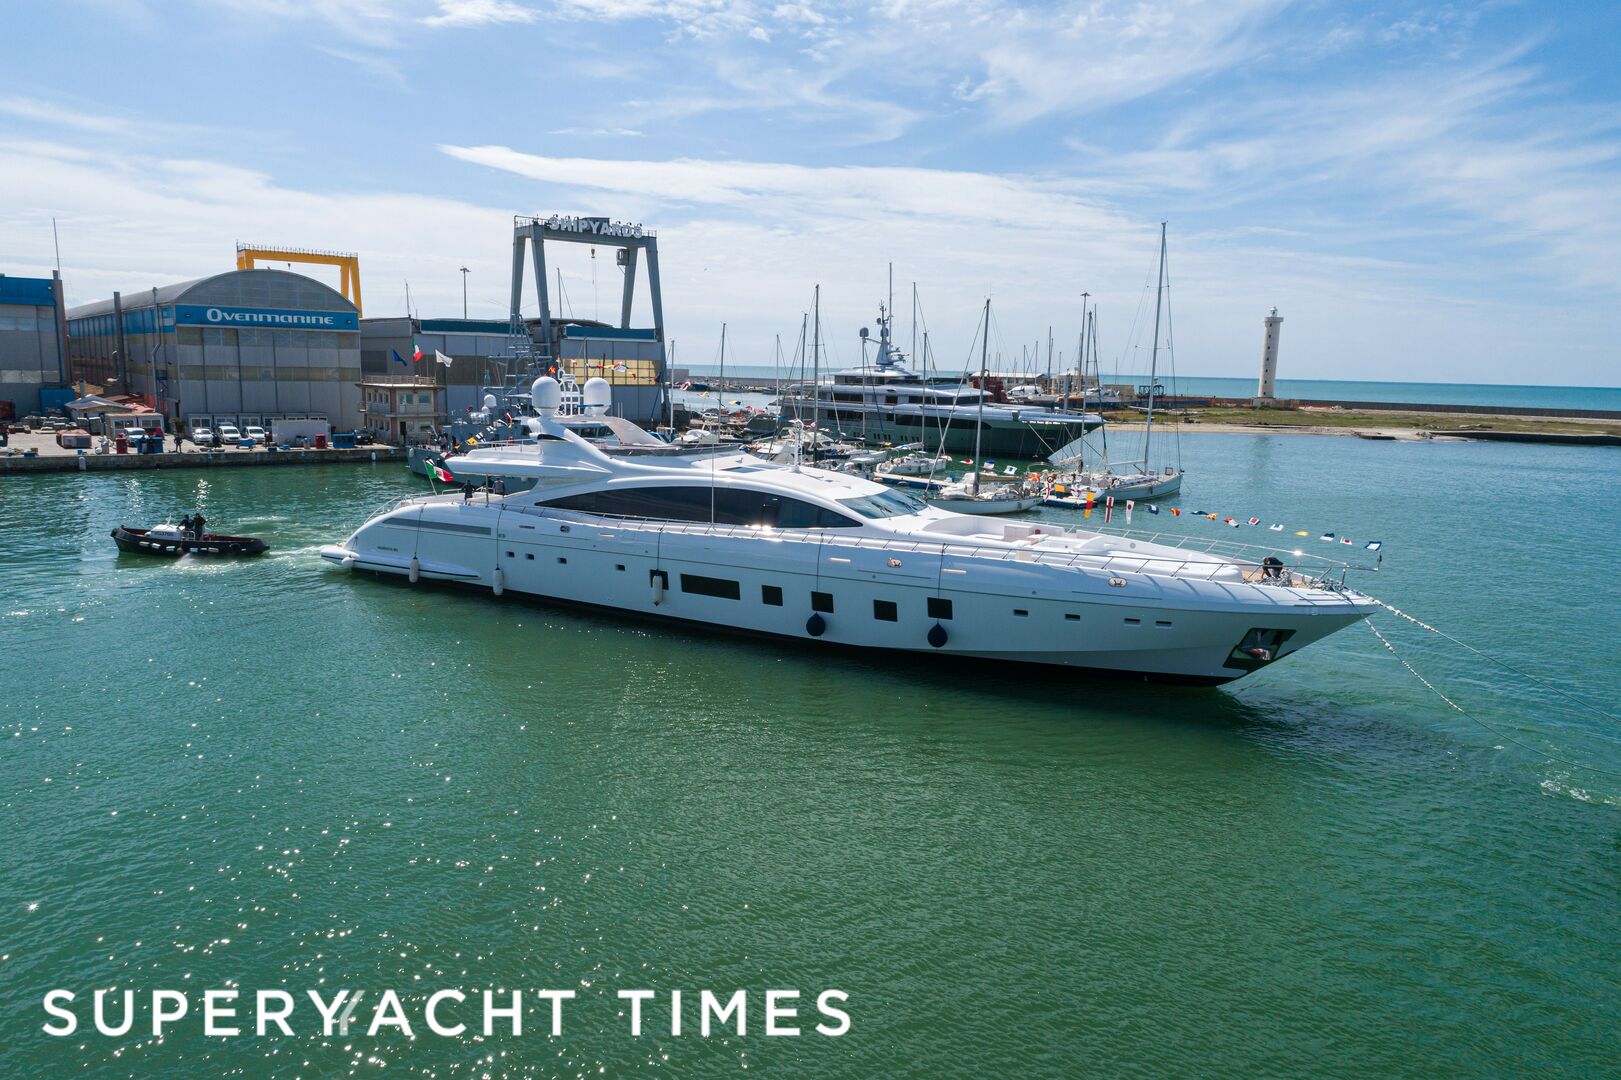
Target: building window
pixel 822 601
pixel 723 588
pixel 885 611
pixel 939 607
pixel 771 595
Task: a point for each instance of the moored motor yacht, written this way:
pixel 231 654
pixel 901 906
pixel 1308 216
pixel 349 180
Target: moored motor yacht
pixel 716 537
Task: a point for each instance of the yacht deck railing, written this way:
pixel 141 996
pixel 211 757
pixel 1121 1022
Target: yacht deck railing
pixel 1305 572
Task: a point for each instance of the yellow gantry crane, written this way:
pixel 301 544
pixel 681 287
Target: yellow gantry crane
pixel 348 264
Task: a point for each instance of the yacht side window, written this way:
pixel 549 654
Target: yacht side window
pixel 723 506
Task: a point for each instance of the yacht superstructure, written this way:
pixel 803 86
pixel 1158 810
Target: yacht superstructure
pixel 716 537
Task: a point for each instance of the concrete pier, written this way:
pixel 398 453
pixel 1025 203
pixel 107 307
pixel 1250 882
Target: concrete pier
pixel 52 458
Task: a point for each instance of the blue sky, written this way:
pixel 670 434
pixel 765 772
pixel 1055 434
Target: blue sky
pixel 1427 192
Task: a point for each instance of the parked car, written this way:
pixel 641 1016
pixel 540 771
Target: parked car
pixel 229 435
pixel 254 432
pixel 202 436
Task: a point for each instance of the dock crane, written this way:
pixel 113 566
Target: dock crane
pixel 348 264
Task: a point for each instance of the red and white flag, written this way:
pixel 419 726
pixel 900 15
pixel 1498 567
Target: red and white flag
pixel 1130 505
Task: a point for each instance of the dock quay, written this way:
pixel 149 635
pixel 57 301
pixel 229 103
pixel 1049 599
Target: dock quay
pixel 49 457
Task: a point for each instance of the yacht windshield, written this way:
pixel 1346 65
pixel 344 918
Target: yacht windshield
pixel 885 504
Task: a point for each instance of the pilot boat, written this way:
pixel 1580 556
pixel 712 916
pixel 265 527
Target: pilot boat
pixel 170 539
pixel 713 537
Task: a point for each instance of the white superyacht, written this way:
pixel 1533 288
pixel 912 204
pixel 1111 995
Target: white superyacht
pixel 716 537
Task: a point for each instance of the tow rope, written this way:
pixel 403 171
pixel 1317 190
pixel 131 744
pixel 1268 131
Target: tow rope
pixel 1494 732
pixel 1589 706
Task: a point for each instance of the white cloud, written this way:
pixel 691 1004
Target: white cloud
pixel 379 65
pixel 457 13
pixel 599 132
pixel 50 113
pixel 370 22
pixel 744 241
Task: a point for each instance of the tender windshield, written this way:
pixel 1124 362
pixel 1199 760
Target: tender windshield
pixel 885 504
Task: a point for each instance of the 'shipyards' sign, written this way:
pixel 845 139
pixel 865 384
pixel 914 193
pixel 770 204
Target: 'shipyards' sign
pixel 267 318
pixel 593 226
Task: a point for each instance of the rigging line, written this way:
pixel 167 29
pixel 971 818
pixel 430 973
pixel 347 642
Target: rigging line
pixel 1494 732
pixel 1500 663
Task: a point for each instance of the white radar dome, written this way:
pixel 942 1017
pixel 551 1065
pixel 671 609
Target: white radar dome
pixel 598 394
pixel 546 395
pixel 489 401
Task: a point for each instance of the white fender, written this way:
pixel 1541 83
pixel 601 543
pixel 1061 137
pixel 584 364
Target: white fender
pixel 498 582
pixel 658 589
pixel 416 570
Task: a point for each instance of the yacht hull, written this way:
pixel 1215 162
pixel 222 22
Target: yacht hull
pixel 998 437
pixel 1159 487
pixel 922 602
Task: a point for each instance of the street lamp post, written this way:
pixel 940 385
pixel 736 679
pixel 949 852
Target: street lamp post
pixel 464 292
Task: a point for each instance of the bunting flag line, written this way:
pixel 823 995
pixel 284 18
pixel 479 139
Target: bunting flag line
pixel 1230 522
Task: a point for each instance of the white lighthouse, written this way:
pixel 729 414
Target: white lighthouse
pixel 1269 358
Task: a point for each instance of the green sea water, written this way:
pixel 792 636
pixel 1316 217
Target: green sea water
pixel 271 774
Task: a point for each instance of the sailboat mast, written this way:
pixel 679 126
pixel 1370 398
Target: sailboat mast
pixel 913 353
pixel 984 377
pixel 816 360
pixel 1097 376
pixel 720 406
pixel 1153 357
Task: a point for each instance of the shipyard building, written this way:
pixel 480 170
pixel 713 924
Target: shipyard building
pixel 32 359
pixel 242 347
pixel 482 354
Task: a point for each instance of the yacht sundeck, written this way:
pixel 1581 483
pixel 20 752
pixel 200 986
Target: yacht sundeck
pixel 717 537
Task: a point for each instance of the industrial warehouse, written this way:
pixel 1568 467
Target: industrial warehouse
pixel 243 347
pixel 253 345
pixel 32 359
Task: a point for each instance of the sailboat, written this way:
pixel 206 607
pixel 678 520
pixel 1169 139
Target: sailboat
pixel 1072 486
pixel 966 495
